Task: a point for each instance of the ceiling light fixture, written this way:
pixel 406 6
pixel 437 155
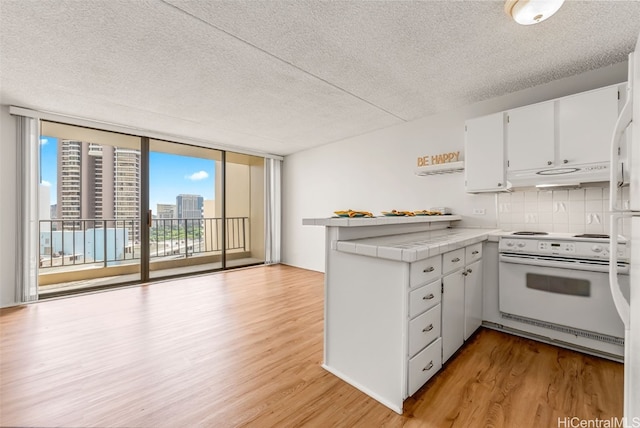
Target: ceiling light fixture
pixel 527 12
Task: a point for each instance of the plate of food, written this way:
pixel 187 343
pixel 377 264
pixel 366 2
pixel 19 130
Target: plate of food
pixel 427 212
pixel 352 213
pixel 396 213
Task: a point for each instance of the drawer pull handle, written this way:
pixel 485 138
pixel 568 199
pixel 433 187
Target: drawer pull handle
pixel 428 296
pixel 475 252
pixel 469 271
pixel 429 366
pixel 429 269
pixel 456 260
pixel 465 273
pixel 427 328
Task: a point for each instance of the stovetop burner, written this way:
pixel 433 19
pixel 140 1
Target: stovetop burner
pixel 592 235
pixel 527 233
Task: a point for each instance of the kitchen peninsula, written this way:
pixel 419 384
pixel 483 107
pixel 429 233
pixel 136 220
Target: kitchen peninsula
pixel 401 296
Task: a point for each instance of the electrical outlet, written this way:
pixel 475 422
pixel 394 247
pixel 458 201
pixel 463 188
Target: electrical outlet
pixel 479 211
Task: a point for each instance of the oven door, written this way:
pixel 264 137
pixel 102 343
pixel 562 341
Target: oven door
pixel 572 297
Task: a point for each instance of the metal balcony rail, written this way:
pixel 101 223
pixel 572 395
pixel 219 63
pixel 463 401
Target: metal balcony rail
pixel 112 242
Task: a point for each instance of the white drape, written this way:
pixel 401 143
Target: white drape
pixel 273 210
pixel 28 179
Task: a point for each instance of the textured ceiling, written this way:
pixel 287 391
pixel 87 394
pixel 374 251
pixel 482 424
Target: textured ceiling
pixel 283 76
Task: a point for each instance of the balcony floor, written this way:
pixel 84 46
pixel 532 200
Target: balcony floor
pixel 109 281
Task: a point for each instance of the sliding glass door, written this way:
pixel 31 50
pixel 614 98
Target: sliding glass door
pixel 118 209
pixel 89 209
pixel 244 210
pixel 184 235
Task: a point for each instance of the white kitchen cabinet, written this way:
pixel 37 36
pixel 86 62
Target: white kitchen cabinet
pixel 531 137
pixel 485 154
pixel 452 313
pixel 585 126
pixel 384 318
pixel 472 298
pixel 461 302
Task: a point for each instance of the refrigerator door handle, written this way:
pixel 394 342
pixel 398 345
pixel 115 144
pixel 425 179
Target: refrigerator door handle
pixel 623 122
pixel 618 298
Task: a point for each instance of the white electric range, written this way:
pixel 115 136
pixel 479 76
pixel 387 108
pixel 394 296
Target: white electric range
pixel 560 282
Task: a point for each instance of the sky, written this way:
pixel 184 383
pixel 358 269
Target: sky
pixel 169 175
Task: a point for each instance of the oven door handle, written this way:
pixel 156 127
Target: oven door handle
pixel 604 268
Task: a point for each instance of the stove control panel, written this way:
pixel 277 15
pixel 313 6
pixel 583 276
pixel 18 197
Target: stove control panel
pixel 553 247
pixel 563 247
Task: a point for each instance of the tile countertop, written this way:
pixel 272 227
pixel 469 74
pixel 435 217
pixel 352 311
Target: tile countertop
pixel 411 247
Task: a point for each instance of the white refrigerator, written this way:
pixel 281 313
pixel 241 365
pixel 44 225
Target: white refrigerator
pixel 625 166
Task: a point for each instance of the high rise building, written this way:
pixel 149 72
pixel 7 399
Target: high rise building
pixel 189 206
pixel 166 211
pixel 98 182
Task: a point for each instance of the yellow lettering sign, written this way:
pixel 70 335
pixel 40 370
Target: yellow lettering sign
pixel 438 159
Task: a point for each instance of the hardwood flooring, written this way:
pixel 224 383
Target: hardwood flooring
pixel 244 348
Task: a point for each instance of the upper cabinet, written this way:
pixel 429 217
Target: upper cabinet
pixel 509 147
pixel 585 126
pixel 531 136
pixel 485 154
pixel 569 131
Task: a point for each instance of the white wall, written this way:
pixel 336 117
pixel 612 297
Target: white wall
pixel 375 172
pixel 8 196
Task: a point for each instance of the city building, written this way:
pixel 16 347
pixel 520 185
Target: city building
pixel 166 211
pixel 189 206
pixel 98 182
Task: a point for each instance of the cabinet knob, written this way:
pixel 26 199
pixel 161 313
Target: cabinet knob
pixel 427 328
pixel 429 366
pixel 565 161
pixel 549 163
pixel 465 273
pixel 428 296
pixel 456 260
pixel 499 184
pixel 475 252
pixel 429 269
pixel 469 271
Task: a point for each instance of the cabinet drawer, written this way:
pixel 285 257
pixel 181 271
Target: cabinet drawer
pixel 424 329
pixel 452 260
pixel 424 271
pixel 424 298
pixel 424 365
pixel 473 253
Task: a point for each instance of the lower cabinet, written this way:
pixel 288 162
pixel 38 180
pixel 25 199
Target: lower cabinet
pixel 472 298
pixel 424 365
pixel 461 299
pixel 452 313
pixel 391 325
pixel 444 313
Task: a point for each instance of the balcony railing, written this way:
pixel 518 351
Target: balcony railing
pixel 109 242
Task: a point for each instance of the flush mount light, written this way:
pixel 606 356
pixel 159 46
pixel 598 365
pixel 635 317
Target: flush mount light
pixel 527 12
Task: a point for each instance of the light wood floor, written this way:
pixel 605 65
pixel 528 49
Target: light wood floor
pixel 244 348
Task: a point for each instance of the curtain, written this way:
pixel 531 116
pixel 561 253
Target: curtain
pixel 28 181
pixel 273 210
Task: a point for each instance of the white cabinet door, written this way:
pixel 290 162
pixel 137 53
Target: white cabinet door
pixel 472 298
pixel 452 313
pixel 485 154
pixel 531 137
pixel 585 125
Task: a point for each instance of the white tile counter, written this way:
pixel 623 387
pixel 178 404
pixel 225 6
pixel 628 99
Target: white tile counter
pixel 410 247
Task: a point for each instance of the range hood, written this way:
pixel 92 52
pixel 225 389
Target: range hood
pixel 565 175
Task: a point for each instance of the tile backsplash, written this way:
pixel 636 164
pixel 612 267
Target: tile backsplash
pixel 583 210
